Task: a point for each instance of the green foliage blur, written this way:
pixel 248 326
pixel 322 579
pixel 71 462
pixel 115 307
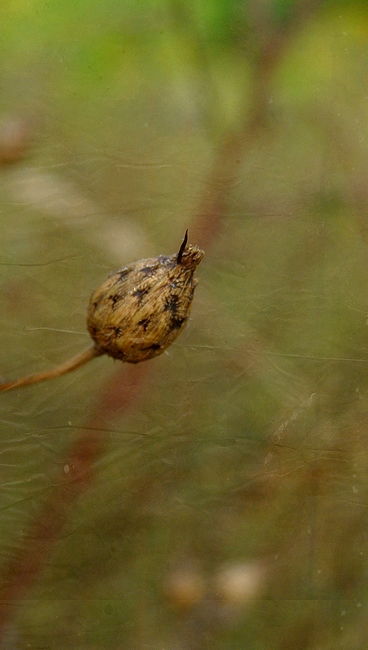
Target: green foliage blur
pixel 229 510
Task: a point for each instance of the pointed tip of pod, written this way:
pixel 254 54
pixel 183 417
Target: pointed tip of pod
pixel 188 255
pixel 182 247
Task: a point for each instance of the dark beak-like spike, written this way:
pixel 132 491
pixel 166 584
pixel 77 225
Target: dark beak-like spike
pixel 182 247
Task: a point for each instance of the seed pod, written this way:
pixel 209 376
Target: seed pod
pixel 136 313
pixel 141 309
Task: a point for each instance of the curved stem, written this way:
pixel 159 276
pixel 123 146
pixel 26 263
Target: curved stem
pixel 68 366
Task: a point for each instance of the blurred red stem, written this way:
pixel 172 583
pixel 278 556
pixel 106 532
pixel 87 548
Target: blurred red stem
pixel 36 546
pixel 224 173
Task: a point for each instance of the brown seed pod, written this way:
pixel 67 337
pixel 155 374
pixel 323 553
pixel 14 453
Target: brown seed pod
pixel 141 309
pixel 136 313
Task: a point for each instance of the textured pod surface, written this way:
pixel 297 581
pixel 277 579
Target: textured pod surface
pixel 140 310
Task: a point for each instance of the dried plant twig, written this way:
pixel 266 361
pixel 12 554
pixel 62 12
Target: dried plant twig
pixel 74 363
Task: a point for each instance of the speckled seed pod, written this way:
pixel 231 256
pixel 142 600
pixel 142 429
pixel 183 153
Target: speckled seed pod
pixel 141 309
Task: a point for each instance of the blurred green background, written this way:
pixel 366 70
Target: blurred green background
pixel 229 505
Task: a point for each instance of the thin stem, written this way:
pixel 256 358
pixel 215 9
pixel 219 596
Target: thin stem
pixel 68 366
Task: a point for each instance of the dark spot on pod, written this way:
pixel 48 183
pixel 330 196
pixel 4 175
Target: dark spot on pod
pixel 154 347
pixel 114 299
pixel 118 331
pixel 140 293
pixel 144 323
pixel 176 323
pixel 123 274
pixel 148 270
pixel 93 330
pixel 172 304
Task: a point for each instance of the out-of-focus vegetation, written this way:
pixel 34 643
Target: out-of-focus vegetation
pixel 229 508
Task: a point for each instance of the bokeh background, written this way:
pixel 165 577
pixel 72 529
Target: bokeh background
pixel 217 496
